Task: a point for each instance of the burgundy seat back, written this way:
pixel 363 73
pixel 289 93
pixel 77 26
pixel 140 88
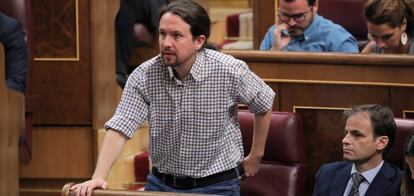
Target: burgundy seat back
pixel 405 128
pixel 347 13
pixel 282 171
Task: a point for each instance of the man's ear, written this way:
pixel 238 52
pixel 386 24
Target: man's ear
pixel 382 142
pixel 199 41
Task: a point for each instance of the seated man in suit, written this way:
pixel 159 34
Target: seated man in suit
pixel 300 28
pixel 369 133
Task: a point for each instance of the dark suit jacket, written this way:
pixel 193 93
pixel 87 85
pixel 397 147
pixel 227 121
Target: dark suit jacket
pixel 15 48
pixel 332 179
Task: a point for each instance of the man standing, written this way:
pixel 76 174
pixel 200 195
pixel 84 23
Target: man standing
pixel 190 96
pixel 369 134
pixel 300 28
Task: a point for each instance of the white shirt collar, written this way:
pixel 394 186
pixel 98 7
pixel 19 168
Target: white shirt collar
pixel 370 174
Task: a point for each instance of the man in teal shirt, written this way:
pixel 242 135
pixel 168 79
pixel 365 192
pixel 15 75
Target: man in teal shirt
pixel 302 29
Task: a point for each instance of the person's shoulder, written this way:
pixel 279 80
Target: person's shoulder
pixel 272 28
pixel 150 64
pixel 333 166
pixel 331 27
pixel 390 170
pixel 4 19
pixel 7 22
pixel 224 63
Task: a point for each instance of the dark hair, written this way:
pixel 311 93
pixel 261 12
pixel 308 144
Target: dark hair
pixel 382 121
pixel 193 14
pixel 390 12
pixel 310 2
pixel 408 183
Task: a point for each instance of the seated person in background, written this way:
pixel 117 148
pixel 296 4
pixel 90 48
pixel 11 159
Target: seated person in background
pixel 390 26
pixel 302 29
pixel 407 185
pixel 189 95
pixel 15 49
pixel 135 18
pixel 369 135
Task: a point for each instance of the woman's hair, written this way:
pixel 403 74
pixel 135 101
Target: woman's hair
pixel 407 185
pixel 391 12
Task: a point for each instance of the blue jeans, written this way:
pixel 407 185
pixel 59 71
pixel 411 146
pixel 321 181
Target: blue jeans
pixel 228 187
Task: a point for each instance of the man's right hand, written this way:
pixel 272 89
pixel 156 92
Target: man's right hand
pixel 280 40
pixel 85 188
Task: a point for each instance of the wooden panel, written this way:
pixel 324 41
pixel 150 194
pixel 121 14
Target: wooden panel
pixel 263 18
pixel 225 3
pixel 402 100
pixel 323 138
pixel 40 192
pixel 106 93
pixel 319 95
pixel 61 152
pixel 333 68
pixel 63 87
pixel 408 114
pixel 55 30
pixel 12 122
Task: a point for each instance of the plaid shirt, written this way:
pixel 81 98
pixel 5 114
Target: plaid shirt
pixel 193 123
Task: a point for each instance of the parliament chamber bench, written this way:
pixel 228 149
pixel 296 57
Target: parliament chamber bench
pixel 12 124
pixel 283 167
pixel 320 86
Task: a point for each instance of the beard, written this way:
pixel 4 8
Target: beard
pixel 295 31
pixel 169 58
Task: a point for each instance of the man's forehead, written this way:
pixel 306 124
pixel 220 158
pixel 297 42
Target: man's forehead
pixel 172 21
pixel 293 7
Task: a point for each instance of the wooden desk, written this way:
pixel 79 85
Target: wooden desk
pixel 66 192
pixel 12 123
pixel 319 86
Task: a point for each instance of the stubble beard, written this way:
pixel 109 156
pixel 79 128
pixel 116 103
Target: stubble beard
pixel 171 62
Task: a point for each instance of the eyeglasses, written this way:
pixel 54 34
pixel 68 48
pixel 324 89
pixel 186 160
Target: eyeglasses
pixel 296 17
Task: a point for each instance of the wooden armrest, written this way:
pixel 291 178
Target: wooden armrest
pixel 67 192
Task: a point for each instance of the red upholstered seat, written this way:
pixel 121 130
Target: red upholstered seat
pixel 405 128
pixel 347 13
pixel 283 168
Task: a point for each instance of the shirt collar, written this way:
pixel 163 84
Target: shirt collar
pixel 196 69
pixel 312 29
pixel 370 174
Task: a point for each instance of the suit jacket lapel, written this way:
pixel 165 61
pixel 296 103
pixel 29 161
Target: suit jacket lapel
pixel 340 181
pixel 381 181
